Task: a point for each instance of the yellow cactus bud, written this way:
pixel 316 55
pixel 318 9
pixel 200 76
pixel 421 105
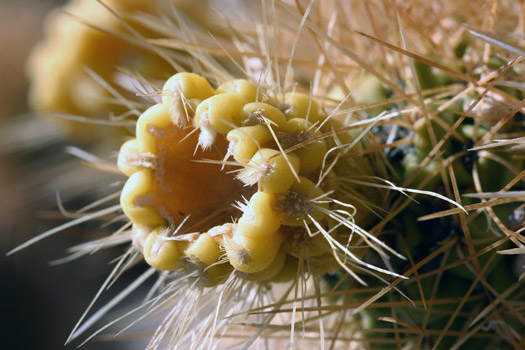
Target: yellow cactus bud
pixel 311 156
pixel 180 89
pixel 261 218
pixel 129 157
pixel 218 114
pixel 204 249
pixel 242 87
pixel 256 113
pixel 299 105
pixel 273 171
pixel 296 125
pixel 135 202
pixel 246 140
pixel 150 125
pixel 161 253
pixel 221 111
pixel 252 254
pixel 57 67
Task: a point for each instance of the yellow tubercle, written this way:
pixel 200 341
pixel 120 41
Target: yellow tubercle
pixel 161 253
pixel 307 187
pixel 311 156
pixel 204 249
pixel 273 171
pixel 127 157
pixel 180 89
pixel 296 125
pixel 242 87
pixel 258 112
pixel 246 140
pixel 261 218
pixel 135 202
pixel 220 112
pixel 150 125
pixel 252 254
pixel 299 105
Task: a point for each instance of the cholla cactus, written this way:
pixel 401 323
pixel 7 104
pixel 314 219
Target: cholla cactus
pixel 275 194
pixel 287 161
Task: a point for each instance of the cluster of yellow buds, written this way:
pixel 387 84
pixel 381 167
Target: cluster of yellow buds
pixel 81 36
pixel 181 176
pixel 74 71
